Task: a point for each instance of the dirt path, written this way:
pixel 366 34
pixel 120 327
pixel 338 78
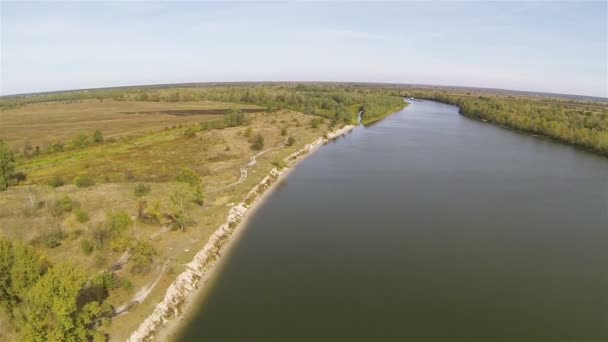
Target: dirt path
pixel 244 170
pixel 141 295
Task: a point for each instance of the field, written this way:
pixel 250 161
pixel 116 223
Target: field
pixel 40 124
pixel 151 148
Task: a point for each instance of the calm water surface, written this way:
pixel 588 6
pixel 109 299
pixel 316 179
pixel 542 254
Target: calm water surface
pixel 427 226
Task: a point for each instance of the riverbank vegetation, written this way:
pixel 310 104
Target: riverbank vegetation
pixel 580 123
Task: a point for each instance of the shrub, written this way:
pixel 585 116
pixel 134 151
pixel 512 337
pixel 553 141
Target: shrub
pixel 126 284
pixel 84 181
pixel 97 137
pixel 120 243
pixel 148 214
pixel 87 247
pixel 257 143
pixel 290 141
pixel 120 222
pixel 190 132
pixel 142 256
pixel 248 132
pixel 56 182
pixel 314 123
pixel 58 206
pixel 51 238
pixel 187 175
pixel 141 190
pixel 235 118
pixel 80 140
pixel 284 131
pixel 81 215
pixel 66 203
pixel 19 177
pixel 279 164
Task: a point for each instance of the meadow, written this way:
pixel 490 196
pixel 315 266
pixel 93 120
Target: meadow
pixel 118 207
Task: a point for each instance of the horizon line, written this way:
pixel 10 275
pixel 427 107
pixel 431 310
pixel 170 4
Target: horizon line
pixel 212 83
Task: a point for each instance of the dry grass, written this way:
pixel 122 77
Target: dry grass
pixel 155 157
pixel 48 122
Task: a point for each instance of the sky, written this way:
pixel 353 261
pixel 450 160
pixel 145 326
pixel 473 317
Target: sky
pixel 559 47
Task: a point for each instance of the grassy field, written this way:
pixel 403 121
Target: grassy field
pixel 40 124
pixel 154 156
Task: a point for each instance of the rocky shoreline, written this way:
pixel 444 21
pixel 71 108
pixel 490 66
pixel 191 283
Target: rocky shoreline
pixel 198 270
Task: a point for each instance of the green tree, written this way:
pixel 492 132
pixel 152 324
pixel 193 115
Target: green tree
pixel 52 310
pixel 7 165
pixel 28 267
pixel 6 264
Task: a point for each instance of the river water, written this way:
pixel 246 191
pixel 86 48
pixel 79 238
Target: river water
pixel 427 226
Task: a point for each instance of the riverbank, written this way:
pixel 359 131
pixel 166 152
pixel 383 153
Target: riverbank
pixel 189 287
pixel 368 121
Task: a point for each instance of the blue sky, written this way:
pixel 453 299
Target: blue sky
pixel 542 46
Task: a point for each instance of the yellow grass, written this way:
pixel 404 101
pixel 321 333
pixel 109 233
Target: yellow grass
pixel 216 155
pixel 48 122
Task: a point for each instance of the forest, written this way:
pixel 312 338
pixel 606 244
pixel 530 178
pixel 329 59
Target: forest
pixel 580 123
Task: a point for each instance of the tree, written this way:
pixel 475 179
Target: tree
pixel 7 165
pixel 6 264
pixel 97 137
pixel 53 309
pixel 28 267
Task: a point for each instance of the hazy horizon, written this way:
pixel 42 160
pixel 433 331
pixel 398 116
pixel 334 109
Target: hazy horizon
pixel 526 46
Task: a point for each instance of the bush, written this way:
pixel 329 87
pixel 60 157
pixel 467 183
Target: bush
pixel 314 123
pixel 56 182
pixel 120 222
pixel 81 215
pixel 87 247
pixel 19 177
pixel 148 214
pixel 279 164
pixel 257 143
pixel 97 137
pixel 142 256
pixel 291 141
pixel 284 131
pixel 248 132
pixel 51 238
pixel 80 140
pixel 58 207
pixel 187 175
pixel 141 190
pixel 126 284
pixel 190 132
pixel 84 181
pixel 66 203
pixel 120 243
pixel 235 118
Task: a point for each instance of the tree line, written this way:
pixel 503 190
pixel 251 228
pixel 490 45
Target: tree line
pixel 575 123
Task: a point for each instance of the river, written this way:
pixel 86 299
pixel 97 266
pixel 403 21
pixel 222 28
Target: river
pixel 427 226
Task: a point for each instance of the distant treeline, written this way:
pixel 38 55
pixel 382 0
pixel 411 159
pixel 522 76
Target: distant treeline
pixel 337 103
pixel 582 124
